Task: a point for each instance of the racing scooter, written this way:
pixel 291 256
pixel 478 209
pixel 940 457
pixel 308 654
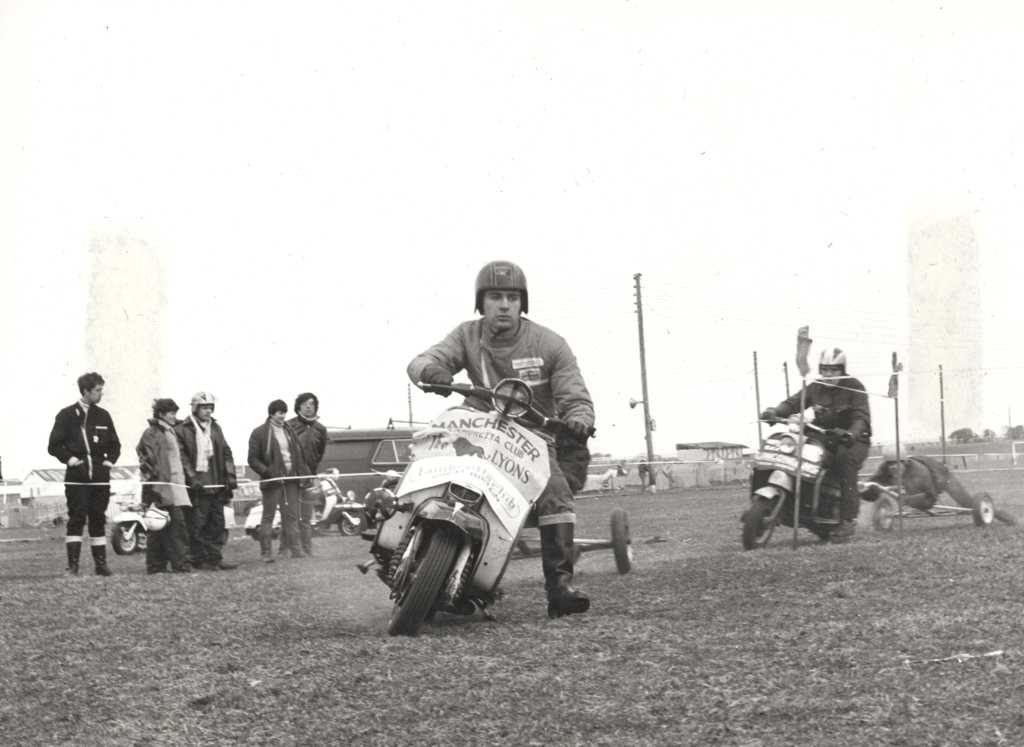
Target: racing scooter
pixel 444 543
pixel 773 483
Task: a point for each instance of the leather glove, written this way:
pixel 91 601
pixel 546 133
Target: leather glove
pixel 770 415
pixel 843 436
pixel 578 428
pixel 857 429
pixel 434 374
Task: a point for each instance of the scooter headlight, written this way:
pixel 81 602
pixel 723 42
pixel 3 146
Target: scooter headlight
pixel 787 445
pixel 463 495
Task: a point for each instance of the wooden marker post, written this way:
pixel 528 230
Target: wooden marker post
pixel 894 393
pixel 803 347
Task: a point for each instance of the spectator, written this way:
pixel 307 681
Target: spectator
pixel 210 476
pixel 312 438
pixel 84 439
pixel 275 455
pixel 160 462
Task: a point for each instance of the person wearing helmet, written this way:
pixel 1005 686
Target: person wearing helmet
pixel 84 439
pixel 211 479
pixel 501 344
pixel 312 437
pixel 839 402
pixel 160 462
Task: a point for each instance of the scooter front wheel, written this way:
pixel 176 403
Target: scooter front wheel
pixel 756 526
pixel 124 539
pixel 424 582
pixel 349 527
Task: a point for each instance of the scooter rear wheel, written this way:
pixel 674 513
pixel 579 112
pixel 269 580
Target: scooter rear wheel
pixel 621 543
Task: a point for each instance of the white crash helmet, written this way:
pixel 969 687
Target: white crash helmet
pixel 832 357
pixel 203 398
pixel 155 518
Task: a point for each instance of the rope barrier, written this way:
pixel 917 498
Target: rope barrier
pixel 140 483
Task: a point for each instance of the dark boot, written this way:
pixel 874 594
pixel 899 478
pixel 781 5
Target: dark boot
pixel 306 538
pixel 556 549
pixel 74 552
pixel 844 532
pixel 99 557
pixel 266 545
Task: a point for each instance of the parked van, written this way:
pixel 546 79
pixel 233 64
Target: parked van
pixel 359 455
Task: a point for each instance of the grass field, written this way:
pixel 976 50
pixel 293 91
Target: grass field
pixel 701 644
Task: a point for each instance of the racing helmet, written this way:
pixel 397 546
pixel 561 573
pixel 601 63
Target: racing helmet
pixel 203 398
pixel 155 518
pixel 832 357
pixel 501 275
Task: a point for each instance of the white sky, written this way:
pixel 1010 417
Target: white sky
pixel 321 182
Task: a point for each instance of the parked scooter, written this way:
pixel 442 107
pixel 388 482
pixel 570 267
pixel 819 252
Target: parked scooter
pixel 334 508
pixel 128 532
pixel 445 543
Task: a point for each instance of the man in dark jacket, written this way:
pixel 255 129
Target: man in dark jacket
pixel 505 344
pixel 312 437
pixel 84 439
pixel 160 463
pixel 211 479
pixel 276 456
pixel 839 401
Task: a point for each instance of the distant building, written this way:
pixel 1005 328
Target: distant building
pixel 46 486
pixel 709 451
pixel 10 492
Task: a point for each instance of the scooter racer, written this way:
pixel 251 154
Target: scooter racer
pixel 504 344
pixel 840 402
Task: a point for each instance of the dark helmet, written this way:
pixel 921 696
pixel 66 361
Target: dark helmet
pixel 501 275
pixel 164 404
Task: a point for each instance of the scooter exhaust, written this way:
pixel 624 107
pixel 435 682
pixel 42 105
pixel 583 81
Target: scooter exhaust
pixel 366 566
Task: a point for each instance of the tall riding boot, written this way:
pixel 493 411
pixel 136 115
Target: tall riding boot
pixel 74 552
pixel 99 557
pixel 556 548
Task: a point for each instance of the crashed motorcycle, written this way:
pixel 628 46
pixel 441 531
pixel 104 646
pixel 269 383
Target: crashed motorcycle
pixel 773 483
pixel 444 542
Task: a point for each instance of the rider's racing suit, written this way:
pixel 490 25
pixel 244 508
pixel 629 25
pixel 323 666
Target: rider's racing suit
pixel 539 357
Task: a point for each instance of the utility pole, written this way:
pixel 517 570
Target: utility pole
pixel 408 395
pixel 643 383
pixel 785 372
pixel 942 414
pixel 757 400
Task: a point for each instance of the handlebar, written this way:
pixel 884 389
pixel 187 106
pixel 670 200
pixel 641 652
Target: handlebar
pixel 533 416
pixel 843 435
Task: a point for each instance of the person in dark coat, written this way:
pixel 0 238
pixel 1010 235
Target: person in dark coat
pixel 211 479
pixel 312 438
pixel 839 401
pixel 84 439
pixel 276 456
pixel 160 462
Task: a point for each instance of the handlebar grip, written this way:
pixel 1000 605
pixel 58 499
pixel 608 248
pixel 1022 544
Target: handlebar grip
pixel 435 388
